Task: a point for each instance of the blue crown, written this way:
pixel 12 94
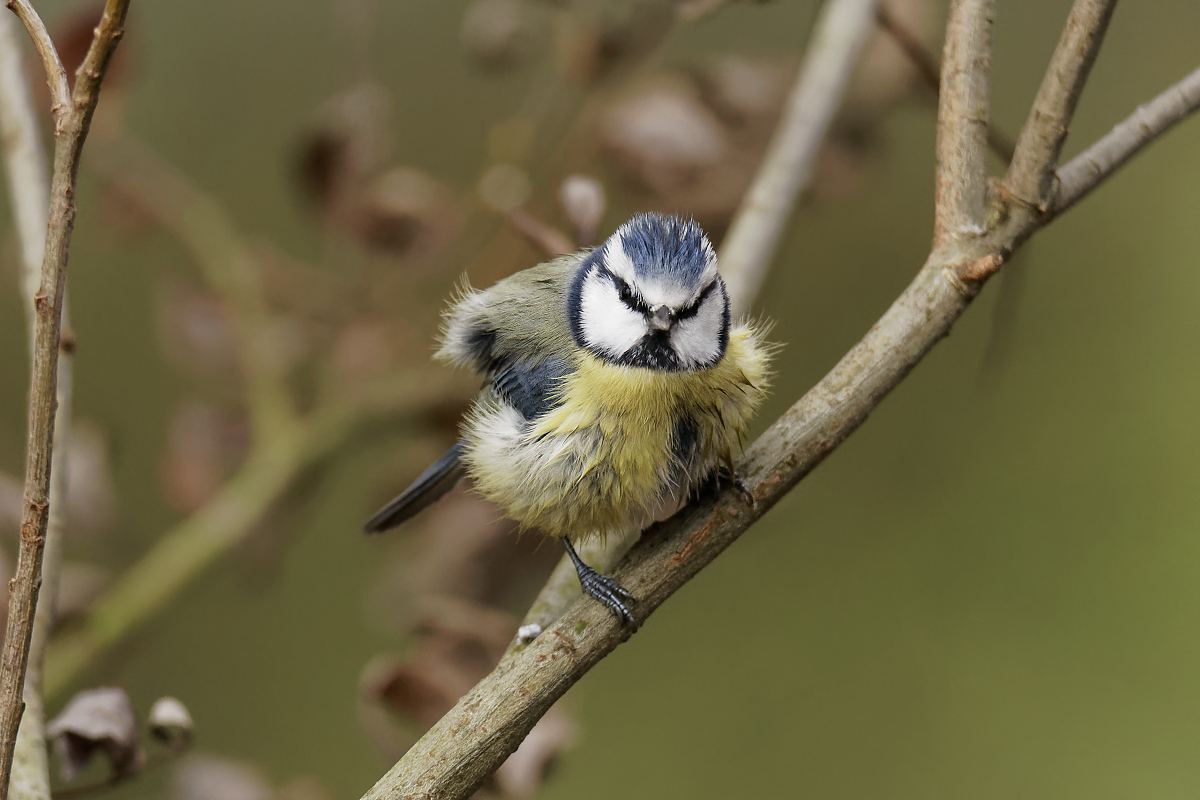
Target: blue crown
pixel 666 247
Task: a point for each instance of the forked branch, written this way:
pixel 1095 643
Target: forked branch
pixel 1030 176
pixel 469 743
pixel 72 117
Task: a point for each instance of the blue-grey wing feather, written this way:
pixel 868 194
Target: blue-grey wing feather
pixel 434 482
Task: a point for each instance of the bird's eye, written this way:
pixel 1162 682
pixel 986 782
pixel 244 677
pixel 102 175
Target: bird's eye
pixel 694 308
pixel 627 295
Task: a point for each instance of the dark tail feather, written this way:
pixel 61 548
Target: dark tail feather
pixel 425 490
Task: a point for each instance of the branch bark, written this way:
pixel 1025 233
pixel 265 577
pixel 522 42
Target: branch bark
pixel 1084 172
pixel 29 191
pixel 829 60
pixel 1030 176
pixel 961 177
pixel 472 740
pixel 930 70
pixel 72 115
pixel 749 246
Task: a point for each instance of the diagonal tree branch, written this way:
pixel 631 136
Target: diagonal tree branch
pixel 961 177
pixel 1030 176
pixel 469 743
pixel 1086 170
pixel 829 60
pixel 749 247
pixel 72 117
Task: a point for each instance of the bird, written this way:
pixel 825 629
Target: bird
pixel 615 387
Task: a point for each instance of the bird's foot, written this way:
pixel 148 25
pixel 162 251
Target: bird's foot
pixel 608 592
pixel 726 478
pixel 612 595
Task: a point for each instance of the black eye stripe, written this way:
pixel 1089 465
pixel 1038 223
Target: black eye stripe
pixel 626 293
pixel 694 308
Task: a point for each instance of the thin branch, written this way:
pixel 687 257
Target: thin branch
pixel 543 235
pixel 749 246
pixel 467 745
pixel 745 255
pixel 190 547
pixel 1084 172
pixel 961 178
pixel 1030 176
pixel 29 190
pixel 471 741
pixel 225 259
pixel 929 68
pixel 56 75
pixel 72 120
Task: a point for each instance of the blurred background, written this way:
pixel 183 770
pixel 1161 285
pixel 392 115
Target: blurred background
pixel 989 591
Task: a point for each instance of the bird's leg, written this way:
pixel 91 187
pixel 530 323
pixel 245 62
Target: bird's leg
pixel 607 591
pixel 725 477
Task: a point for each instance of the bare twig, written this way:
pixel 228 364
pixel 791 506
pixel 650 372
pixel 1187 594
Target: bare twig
pixel 72 117
pixel 1082 173
pixel 929 68
pixel 749 246
pixel 185 551
pixel 225 260
pixel 961 178
pixel 1030 176
pixel 543 235
pixel 56 75
pixel 29 190
pixel 471 741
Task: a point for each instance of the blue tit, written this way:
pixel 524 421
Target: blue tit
pixel 615 386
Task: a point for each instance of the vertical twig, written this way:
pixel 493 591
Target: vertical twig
pixel 1030 177
pixel 930 69
pixel 29 191
pixel 749 246
pixel 961 177
pixel 72 114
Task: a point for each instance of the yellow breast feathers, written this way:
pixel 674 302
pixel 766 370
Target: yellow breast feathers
pixel 609 456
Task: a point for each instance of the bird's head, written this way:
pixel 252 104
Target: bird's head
pixel 651 297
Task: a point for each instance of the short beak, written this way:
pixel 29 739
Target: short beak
pixel 660 318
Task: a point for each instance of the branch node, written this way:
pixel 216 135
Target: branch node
pixel 981 269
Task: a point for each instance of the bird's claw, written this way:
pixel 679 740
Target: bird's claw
pixel 608 592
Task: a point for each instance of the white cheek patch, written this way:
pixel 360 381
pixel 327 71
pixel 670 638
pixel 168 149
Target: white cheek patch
pixel 697 340
pixel 606 322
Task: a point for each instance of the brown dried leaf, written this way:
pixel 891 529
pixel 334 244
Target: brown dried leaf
pixel 460 643
pixel 593 44
pixel 664 135
pixel 347 142
pixel 204 444
pixel 404 213
pixel 97 719
pixel 171 723
pixel 206 777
